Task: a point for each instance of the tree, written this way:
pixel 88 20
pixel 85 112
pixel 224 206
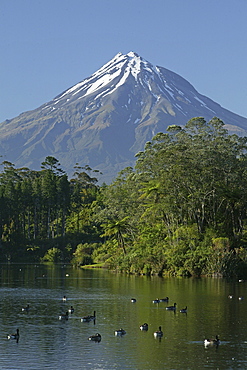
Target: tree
pixel 117 229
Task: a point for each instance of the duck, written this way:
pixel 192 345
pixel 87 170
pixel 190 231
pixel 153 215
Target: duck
pixel 71 309
pixel 64 298
pixel 89 317
pixel 120 332
pixel 240 298
pixel 166 299
pixel 133 300
pixel 96 337
pixel 26 308
pixel 183 310
pixel 172 308
pixel 156 300
pixel 158 333
pixel 144 326
pixel 230 296
pixel 14 335
pixel 64 316
pixel 208 342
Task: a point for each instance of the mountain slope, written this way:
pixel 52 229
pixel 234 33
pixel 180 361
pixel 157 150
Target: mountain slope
pixel 107 118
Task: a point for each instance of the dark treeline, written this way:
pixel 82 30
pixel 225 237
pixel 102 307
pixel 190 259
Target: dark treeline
pixel 181 210
pixel 42 210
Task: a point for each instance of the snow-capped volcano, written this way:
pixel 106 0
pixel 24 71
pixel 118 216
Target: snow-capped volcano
pixel 120 67
pixel 155 81
pixel 104 120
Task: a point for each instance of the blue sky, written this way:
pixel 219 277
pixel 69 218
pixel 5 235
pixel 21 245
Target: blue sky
pixel 49 45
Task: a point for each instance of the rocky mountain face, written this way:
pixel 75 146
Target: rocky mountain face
pixel 107 118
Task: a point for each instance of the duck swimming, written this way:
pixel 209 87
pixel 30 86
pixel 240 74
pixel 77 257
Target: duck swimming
pixel 166 299
pixel 183 310
pixel 15 335
pixel 156 300
pixel 172 308
pixel 120 332
pixel 89 317
pixel 64 316
pixel 96 337
pixel 208 342
pixel 71 309
pixel 158 333
pixel 144 326
pixel 133 300
pixel 26 308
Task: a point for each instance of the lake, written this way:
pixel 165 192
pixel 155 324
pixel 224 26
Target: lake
pixel 49 343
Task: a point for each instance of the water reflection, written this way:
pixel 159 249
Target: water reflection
pixel 47 342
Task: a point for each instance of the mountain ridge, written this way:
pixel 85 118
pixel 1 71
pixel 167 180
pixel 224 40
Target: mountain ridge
pixel 105 119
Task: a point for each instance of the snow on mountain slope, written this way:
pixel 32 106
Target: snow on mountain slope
pixel 130 69
pixel 105 119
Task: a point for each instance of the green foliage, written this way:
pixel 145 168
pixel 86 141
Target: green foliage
pixel 83 254
pixel 185 254
pixel 52 255
pixel 102 253
pixel 182 210
pixel 39 205
pixel 184 201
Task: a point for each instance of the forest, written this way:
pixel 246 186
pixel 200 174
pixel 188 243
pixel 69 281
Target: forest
pixel 181 211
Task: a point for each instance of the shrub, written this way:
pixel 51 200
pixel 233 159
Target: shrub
pixel 52 255
pixel 83 255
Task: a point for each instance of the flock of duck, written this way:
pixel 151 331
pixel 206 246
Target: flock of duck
pixel 207 342
pixel 64 316
pixel 159 332
pixel 120 332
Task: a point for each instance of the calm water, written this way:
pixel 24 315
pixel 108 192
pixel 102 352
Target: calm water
pixel 49 343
